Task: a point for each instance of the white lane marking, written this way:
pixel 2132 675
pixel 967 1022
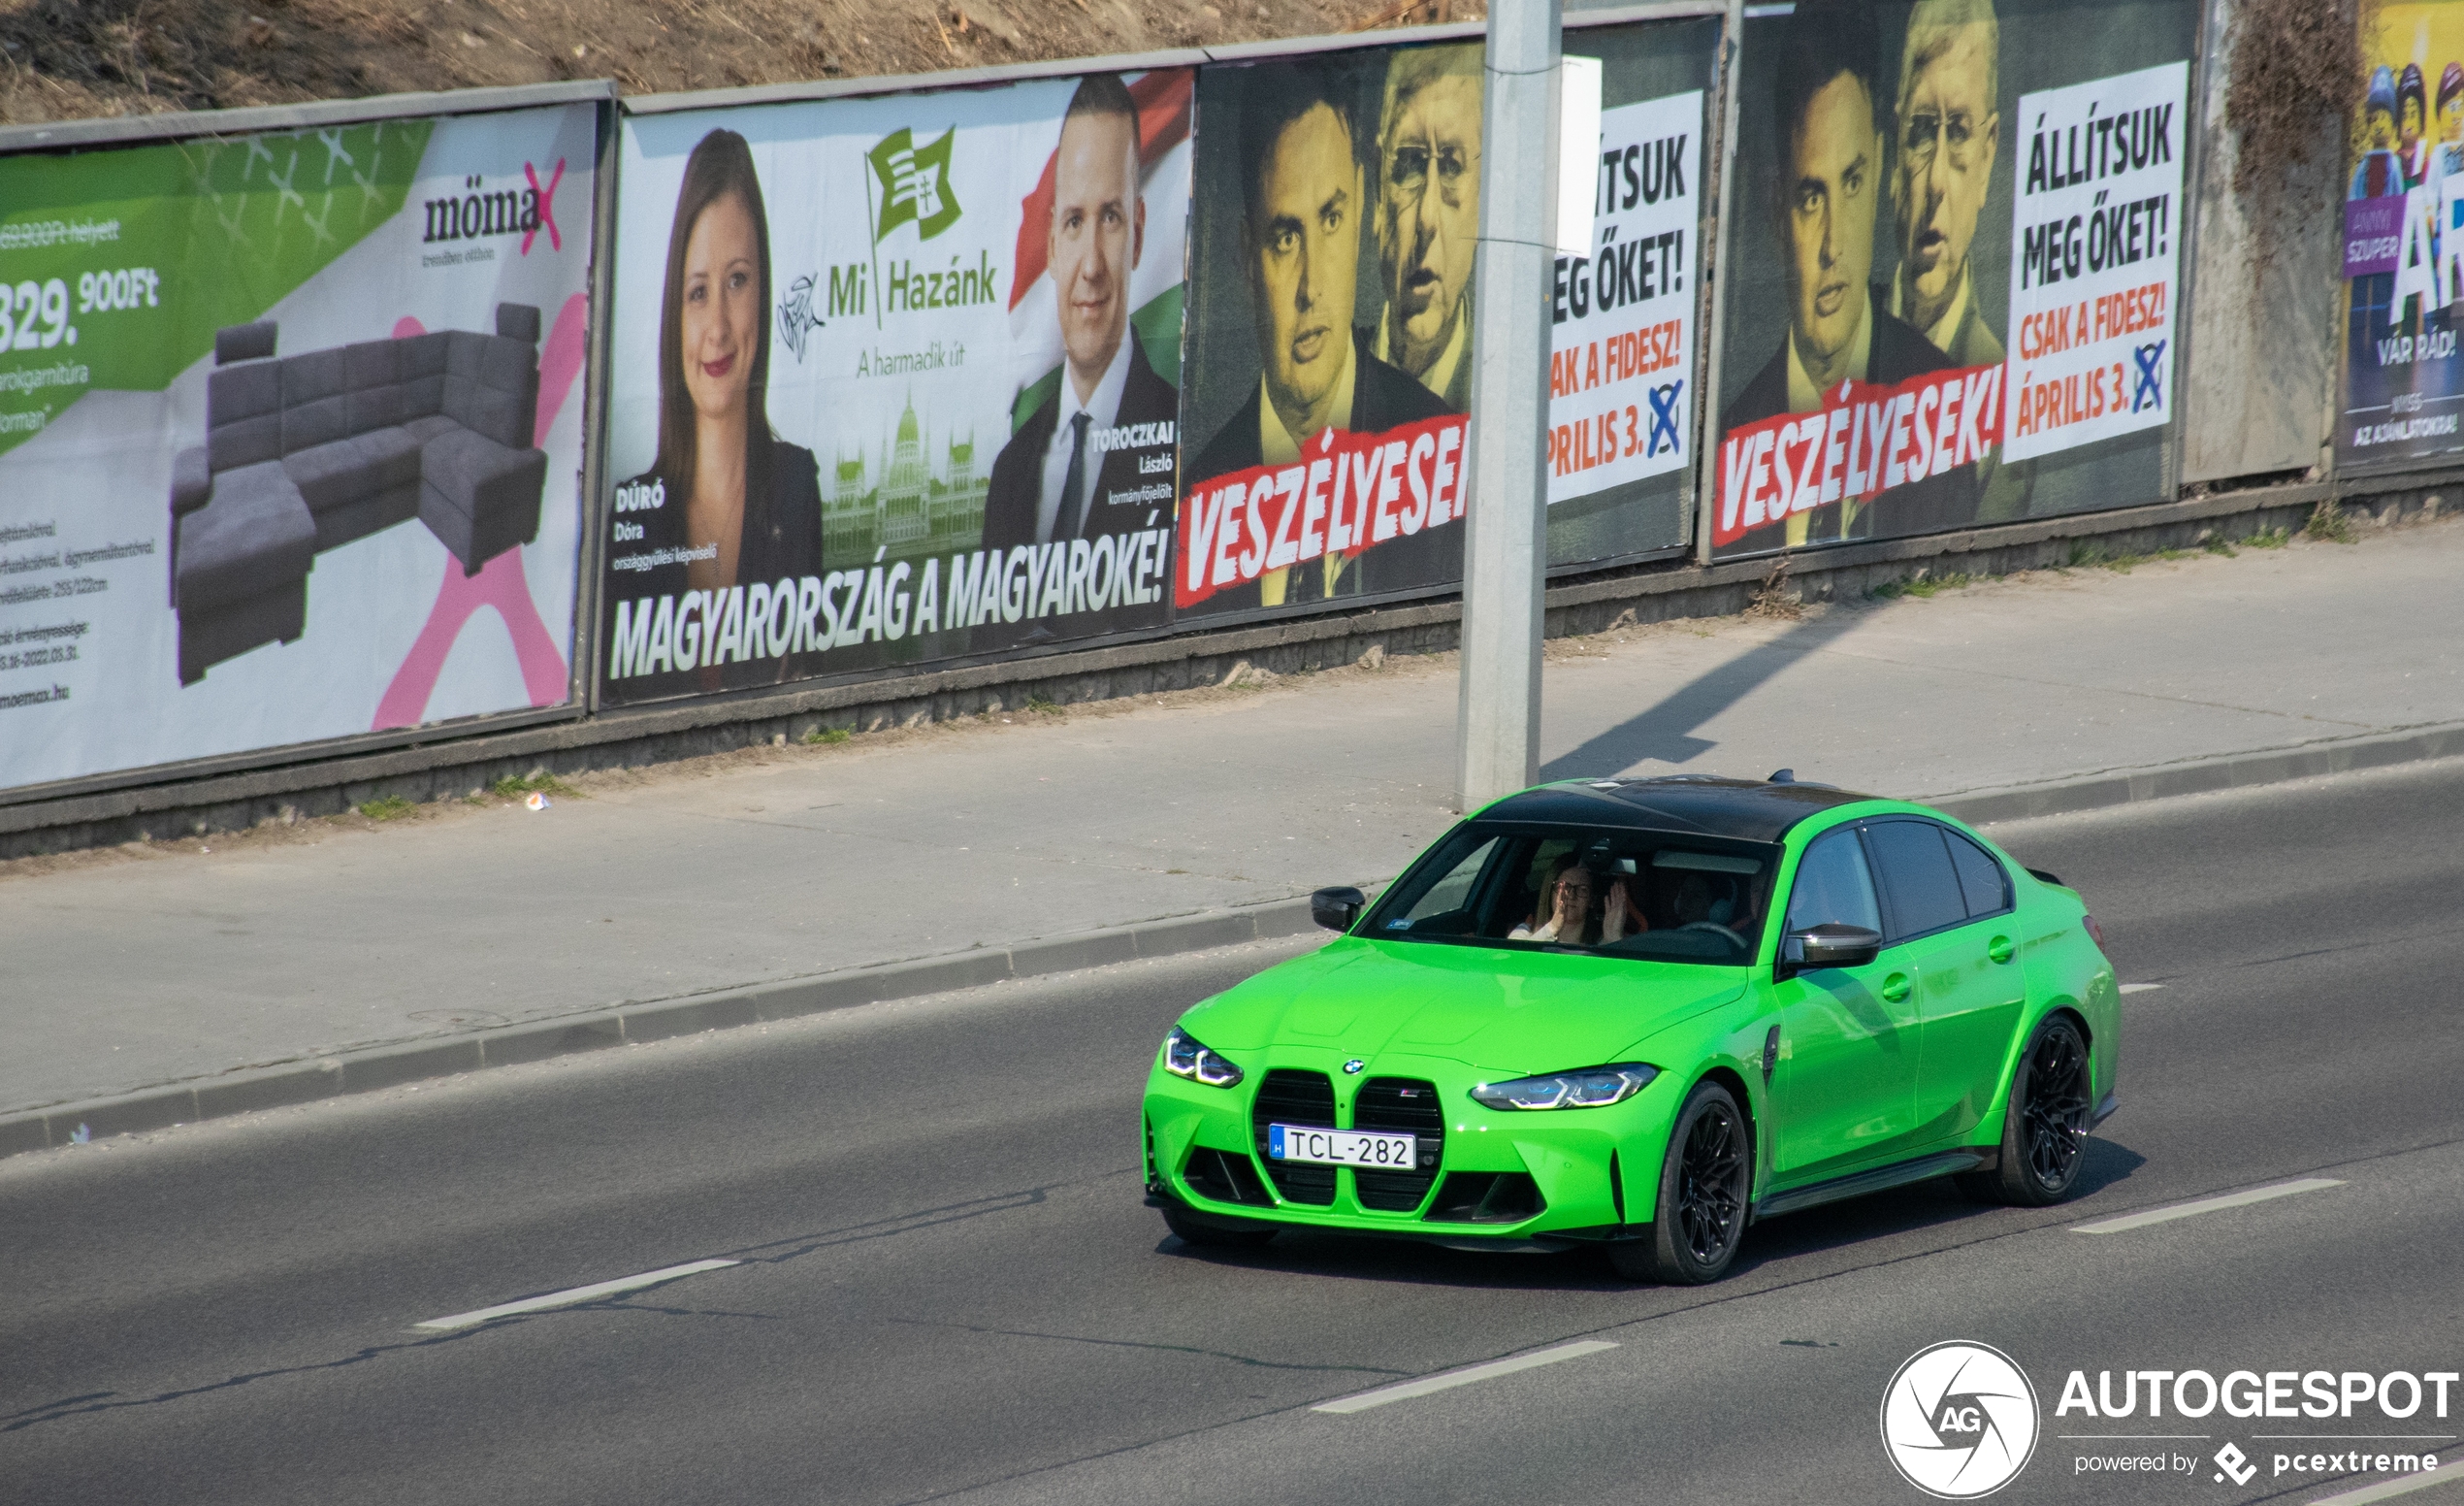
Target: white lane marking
pixel 2444 1474
pixel 2140 988
pixel 2184 1210
pixel 1427 1383
pixel 575 1295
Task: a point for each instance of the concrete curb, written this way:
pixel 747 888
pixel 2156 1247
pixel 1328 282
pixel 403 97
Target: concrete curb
pixel 2205 776
pixel 533 1040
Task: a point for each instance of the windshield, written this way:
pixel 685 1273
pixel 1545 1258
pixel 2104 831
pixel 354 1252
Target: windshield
pixel 1656 895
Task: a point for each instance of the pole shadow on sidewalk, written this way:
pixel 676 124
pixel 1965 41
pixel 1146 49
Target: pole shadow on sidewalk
pixel 1664 733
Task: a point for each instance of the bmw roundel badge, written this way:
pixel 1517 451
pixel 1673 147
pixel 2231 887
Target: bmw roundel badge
pixel 1352 1068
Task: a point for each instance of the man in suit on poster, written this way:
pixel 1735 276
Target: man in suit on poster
pixel 1303 204
pixel 1827 186
pixel 1060 476
pixel 1949 130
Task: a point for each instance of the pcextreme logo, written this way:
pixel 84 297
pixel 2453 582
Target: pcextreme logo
pixel 1960 1419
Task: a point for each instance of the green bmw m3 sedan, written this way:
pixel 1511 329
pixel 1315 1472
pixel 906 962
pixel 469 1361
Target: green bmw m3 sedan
pixel 1643 1014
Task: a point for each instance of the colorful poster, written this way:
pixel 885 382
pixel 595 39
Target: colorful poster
pixel 1952 269
pixel 279 414
pixel 2404 244
pixel 1336 216
pixel 897 381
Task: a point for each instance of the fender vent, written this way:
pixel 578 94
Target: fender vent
pixel 1287 1096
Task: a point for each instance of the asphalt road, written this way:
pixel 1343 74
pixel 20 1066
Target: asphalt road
pixel 948 1286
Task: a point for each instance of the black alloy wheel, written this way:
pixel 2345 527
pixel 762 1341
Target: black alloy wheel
pixel 2044 1130
pixel 1705 1183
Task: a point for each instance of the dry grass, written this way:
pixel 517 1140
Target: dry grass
pixel 66 59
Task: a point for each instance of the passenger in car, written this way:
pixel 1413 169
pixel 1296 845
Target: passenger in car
pixel 1568 915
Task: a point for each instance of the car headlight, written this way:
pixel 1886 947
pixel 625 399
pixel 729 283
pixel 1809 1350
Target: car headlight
pixel 1184 1055
pixel 1592 1086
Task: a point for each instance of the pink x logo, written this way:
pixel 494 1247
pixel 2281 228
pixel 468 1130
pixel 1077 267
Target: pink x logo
pixel 547 206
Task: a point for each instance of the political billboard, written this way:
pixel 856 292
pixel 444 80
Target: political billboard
pixel 2403 390
pixel 1329 364
pixel 279 414
pixel 1623 354
pixel 895 380
pixel 1953 278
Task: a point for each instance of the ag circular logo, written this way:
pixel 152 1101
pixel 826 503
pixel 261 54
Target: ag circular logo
pixel 1959 1420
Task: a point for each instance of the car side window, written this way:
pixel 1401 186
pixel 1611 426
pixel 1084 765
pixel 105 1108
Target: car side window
pixel 1917 871
pixel 1986 887
pixel 1834 886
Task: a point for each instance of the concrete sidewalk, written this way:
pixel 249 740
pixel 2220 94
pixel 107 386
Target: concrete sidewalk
pixel 780 870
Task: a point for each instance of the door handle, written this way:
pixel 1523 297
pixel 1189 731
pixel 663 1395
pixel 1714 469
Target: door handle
pixel 2000 949
pixel 1895 988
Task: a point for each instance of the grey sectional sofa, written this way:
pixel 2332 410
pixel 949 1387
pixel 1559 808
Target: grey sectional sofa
pixel 306 453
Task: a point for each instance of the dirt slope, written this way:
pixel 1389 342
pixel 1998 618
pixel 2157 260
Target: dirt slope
pixel 65 58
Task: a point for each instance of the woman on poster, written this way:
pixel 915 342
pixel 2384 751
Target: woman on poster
pixel 727 503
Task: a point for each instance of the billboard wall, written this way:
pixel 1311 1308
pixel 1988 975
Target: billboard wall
pixel 1953 285
pixel 895 380
pixel 279 414
pixel 2404 244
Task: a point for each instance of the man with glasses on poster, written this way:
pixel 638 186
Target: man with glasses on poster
pixel 1825 187
pixel 1950 134
pixel 1429 216
pixel 1304 202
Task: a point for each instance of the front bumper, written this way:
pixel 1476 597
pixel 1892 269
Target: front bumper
pixel 1502 1179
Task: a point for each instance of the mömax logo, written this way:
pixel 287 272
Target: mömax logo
pixel 1960 1419
pixel 501 212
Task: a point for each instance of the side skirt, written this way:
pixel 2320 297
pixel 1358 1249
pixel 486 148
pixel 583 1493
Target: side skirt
pixel 1856 1185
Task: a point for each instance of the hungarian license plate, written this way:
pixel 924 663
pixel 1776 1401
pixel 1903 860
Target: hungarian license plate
pixel 1341 1147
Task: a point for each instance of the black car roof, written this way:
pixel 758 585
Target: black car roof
pixel 1750 810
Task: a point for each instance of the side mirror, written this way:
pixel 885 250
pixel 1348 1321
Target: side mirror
pixel 1337 908
pixel 1828 945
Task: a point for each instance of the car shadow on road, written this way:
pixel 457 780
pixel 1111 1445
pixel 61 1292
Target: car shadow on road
pixel 1879 1220
pixel 1664 731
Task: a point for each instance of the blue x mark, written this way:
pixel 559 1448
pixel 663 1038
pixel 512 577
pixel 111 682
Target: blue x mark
pixel 1664 417
pixel 2149 392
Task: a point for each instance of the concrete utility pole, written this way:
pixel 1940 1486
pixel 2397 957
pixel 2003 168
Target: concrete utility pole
pixel 1506 532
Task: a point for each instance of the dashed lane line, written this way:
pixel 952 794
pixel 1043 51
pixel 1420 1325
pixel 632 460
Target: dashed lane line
pixel 575 1296
pixel 2141 988
pixel 2184 1210
pixel 1451 1379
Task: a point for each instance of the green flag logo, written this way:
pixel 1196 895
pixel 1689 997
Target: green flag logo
pixel 915 185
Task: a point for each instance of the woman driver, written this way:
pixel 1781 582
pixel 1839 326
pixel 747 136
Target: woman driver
pixel 737 505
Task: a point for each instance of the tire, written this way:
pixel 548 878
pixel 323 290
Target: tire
pixel 1201 1235
pixel 1706 1183
pixel 2045 1130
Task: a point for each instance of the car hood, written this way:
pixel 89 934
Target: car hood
pixel 1504 1012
